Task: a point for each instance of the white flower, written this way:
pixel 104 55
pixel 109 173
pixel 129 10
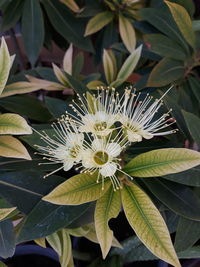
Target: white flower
pixel 64 148
pixel 138 117
pixel 101 116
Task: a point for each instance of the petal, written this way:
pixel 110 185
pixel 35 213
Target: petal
pixel 68 165
pixel 97 144
pixel 113 149
pixel 87 159
pixel 134 137
pixel 108 169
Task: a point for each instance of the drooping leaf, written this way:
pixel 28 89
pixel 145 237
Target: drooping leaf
pixel 162 161
pixel 77 190
pixel 13 124
pixel 107 207
pixel 32 29
pixel 61 243
pixel 165 72
pixel 193 123
pixel 7 239
pixel 127 33
pixel 12 148
pixel 148 224
pixel 5 64
pixel 183 21
pixel 187 234
pixel 98 22
pixel 179 198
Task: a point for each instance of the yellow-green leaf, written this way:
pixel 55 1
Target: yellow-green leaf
pixel 78 232
pixel 2 264
pixel 60 75
pixel 148 224
pixel 5 64
pixel 98 22
pixel 162 162
pixel 41 242
pixel 4 212
pixel 12 148
pixel 71 4
pixel 183 21
pixel 13 124
pixel 127 33
pixel 107 207
pixel 110 66
pixel 67 60
pixel 61 243
pixel 93 85
pixel 77 190
pixel 128 67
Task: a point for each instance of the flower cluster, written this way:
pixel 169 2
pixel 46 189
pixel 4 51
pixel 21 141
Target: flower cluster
pixel 103 127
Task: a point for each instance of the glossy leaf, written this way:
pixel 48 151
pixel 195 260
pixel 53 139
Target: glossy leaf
pixel 12 148
pixel 179 198
pixel 79 189
pixel 183 21
pixel 109 64
pixel 98 22
pixel 5 64
pixel 61 243
pixel 148 224
pixel 107 207
pixel 165 72
pixel 32 29
pixel 13 124
pixel 127 67
pixel 187 234
pixel 127 33
pixel 193 123
pixel 7 239
pixel 162 161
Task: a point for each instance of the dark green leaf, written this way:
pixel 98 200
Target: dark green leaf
pixel 7 239
pixel 32 29
pixel 47 218
pixel 77 65
pixel 78 86
pixel 190 253
pixel 66 24
pixel 194 85
pixel 26 105
pixel 56 107
pixel 24 189
pixel 177 197
pixel 165 72
pixel 187 234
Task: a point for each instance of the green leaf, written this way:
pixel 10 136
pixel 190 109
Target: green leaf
pixel 56 106
pixel 193 123
pixel 187 234
pixel 109 65
pixel 165 72
pixel 98 22
pixel 128 67
pixel 77 190
pixel 183 22
pixel 61 243
pixel 107 207
pixel 165 47
pixel 179 198
pixel 127 33
pixel 41 242
pixel 7 239
pixel 5 212
pixel 67 25
pixel 194 85
pixel 196 25
pixel 190 253
pixel 32 29
pixel 5 64
pixel 148 224
pixel 162 161
pixel 13 124
pixel 2 264
pixel 77 85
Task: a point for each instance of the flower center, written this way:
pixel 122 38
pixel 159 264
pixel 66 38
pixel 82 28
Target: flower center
pixel 101 157
pixel 74 151
pixel 100 126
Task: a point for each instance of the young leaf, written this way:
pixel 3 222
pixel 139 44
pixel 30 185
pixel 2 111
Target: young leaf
pixel 60 75
pixel 71 4
pixel 13 124
pixel 109 64
pixel 5 64
pixel 4 212
pixel 127 33
pixel 128 67
pixel 165 72
pixel 67 60
pixel 12 148
pixel 148 224
pixel 183 21
pixel 162 161
pixel 41 242
pixel 98 22
pixel 61 243
pixel 107 207
pixel 77 190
